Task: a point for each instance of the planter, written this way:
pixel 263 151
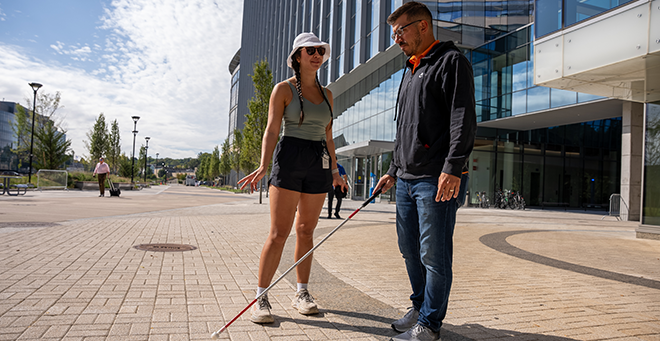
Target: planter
pixel 86 185
pixel 94 185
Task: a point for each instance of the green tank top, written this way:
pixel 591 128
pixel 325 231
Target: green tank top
pixel 317 117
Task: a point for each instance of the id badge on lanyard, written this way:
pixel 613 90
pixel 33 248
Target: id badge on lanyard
pixel 325 157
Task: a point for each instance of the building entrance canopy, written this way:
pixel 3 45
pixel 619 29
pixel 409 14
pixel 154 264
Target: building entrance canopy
pixel 365 148
pixel 615 54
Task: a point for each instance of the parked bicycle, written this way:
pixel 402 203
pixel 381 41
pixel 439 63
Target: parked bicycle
pixel 517 201
pixel 484 201
pixel 509 199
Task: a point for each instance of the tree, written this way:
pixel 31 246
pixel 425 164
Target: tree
pixel 97 143
pixel 225 158
pixel 114 147
pixel 51 146
pixel 255 126
pixel 125 166
pixel 47 107
pixel 214 164
pixel 139 163
pixel 202 169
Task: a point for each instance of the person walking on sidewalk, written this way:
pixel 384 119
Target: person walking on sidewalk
pixel 102 170
pixel 436 126
pixel 337 192
pixel 304 168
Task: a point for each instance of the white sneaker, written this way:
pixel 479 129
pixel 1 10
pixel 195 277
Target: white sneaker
pixel 261 311
pixel 304 302
pixel 418 333
pixel 407 321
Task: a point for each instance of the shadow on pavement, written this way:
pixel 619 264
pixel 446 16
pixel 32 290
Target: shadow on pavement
pixel 469 332
pixel 465 332
pixel 319 321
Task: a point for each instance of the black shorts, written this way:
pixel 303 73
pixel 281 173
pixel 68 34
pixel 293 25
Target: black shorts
pixel 298 166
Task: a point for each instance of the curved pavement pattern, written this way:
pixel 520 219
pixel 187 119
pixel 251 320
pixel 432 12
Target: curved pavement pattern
pixel 68 271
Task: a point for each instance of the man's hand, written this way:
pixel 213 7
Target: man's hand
pixel 448 186
pixel 386 182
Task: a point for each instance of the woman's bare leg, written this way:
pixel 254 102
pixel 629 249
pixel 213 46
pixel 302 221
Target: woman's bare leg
pixel 307 217
pixel 283 204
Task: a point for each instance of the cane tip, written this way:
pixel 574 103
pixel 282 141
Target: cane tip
pixel 215 335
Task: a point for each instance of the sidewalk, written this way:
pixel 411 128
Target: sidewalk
pixel 69 271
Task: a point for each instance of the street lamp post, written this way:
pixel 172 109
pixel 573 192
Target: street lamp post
pixel 135 120
pixel 156 166
pixel 35 87
pixel 146 155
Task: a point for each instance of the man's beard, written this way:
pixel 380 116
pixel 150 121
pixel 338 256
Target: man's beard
pixel 413 45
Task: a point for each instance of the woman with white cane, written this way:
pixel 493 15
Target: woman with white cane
pixel 304 168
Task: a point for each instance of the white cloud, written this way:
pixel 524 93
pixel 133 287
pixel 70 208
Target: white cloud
pixel 58 47
pixel 165 61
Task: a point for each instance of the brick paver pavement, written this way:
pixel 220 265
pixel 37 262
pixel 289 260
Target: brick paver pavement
pixel 69 271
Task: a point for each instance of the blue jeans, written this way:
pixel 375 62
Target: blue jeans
pixel 425 229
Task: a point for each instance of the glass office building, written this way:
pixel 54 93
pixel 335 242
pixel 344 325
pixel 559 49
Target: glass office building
pixel 559 147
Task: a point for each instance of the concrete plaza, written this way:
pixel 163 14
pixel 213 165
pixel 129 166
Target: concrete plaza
pixel 69 271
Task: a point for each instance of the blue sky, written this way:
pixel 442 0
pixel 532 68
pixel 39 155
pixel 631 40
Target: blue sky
pixel 163 60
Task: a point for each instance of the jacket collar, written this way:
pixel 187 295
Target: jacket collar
pixel 434 51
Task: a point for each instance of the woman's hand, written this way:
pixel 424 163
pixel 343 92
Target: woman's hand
pixel 253 179
pixel 337 180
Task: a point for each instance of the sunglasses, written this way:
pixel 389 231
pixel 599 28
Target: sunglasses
pixel 311 50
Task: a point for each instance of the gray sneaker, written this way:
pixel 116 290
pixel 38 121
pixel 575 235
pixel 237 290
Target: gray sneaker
pixel 417 333
pixel 407 321
pixel 261 311
pixel 304 302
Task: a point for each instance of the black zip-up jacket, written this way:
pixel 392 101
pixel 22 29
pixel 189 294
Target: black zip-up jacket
pixel 437 122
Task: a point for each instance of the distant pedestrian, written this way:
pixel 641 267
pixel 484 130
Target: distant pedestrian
pixel 102 170
pixel 304 168
pixel 337 192
pixel 436 126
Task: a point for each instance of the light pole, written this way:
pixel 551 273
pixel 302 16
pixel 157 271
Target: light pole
pixel 156 166
pixel 35 87
pixel 146 155
pixel 135 119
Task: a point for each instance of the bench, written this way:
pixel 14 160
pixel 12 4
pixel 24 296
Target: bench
pixel 18 188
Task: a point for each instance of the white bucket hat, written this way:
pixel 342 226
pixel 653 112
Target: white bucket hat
pixel 304 40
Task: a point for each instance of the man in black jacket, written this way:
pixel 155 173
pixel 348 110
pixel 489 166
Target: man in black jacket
pixel 436 125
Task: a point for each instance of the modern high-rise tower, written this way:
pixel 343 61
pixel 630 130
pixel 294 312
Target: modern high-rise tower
pixel 563 129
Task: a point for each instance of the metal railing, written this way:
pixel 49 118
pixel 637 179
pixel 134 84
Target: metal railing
pixel 618 208
pixel 52 179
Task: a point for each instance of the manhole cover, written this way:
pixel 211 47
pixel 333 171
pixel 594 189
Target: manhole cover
pixel 28 224
pixel 165 247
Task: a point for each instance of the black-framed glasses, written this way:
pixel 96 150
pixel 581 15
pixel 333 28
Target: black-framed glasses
pixel 311 50
pixel 399 31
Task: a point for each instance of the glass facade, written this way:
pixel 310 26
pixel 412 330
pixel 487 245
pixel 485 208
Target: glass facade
pixel 7 110
pixel 473 23
pixel 503 79
pixel 233 103
pixel 651 190
pixel 576 165
pixel 553 15
pixel 367 110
